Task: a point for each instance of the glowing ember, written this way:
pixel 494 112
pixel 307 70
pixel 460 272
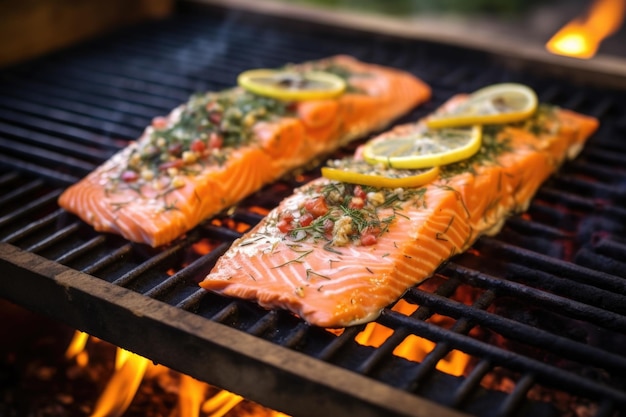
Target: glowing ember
pixel 204 246
pixel 581 37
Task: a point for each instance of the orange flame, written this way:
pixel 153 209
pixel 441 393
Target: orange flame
pixel 581 37
pixel 412 348
pixel 130 370
pixel 191 395
pixel 221 403
pixel 119 392
pixel 76 349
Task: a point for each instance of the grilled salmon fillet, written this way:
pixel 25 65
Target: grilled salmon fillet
pixel 332 273
pixel 220 147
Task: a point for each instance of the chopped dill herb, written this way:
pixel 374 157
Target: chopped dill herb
pixel 296 260
pixel 310 272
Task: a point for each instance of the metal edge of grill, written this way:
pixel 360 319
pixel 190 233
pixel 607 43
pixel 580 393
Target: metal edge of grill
pixel 221 341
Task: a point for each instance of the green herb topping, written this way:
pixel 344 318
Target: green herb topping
pixel 340 214
pixel 204 131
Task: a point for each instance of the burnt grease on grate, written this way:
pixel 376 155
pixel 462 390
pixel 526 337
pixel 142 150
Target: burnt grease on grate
pixel 539 309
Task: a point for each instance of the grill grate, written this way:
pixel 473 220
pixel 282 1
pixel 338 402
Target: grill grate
pixel 548 294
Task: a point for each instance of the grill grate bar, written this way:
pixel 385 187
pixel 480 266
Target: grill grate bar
pixel 609 247
pixel 155 98
pixel 29 208
pixel 74 70
pixel 46 157
pixel 545 373
pixel 53 138
pixel 20 192
pixel 296 335
pixel 583 293
pixel 551 265
pixel 80 250
pixel 87 122
pixel 332 348
pixel 572 308
pixel 513 402
pixel 603 263
pixel 54 238
pixel 105 261
pixel 520 331
pixel 266 322
pixel 39 171
pixel 462 326
pixel 192 301
pixel 138 107
pixel 96 109
pixel 226 312
pixel 563 258
pixel 422 313
pixel 199 265
pixel 538 229
pixel 471 383
pixel 161 257
pixel 596 189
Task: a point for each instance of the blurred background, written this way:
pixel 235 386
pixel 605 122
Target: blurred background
pixel 31 28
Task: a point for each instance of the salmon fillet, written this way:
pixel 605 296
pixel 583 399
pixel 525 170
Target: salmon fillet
pixel 220 147
pixel 337 275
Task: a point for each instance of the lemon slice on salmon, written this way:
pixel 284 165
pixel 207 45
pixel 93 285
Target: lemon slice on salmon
pixel 498 103
pixel 291 85
pixel 425 148
pixel 362 173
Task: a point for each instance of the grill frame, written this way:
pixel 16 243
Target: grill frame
pixel 120 301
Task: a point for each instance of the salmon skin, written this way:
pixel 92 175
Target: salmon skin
pixel 220 147
pixel 331 272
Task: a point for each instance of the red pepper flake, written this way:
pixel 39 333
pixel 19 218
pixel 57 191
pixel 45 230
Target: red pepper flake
pixel 328 226
pixel 198 146
pixel 177 163
pixel 129 176
pixel 284 226
pixel 175 149
pixel 316 206
pixel 356 203
pixel 306 219
pixel 215 117
pixel 287 216
pixel 359 192
pixel 368 239
pixel 159 122
pixel 215 141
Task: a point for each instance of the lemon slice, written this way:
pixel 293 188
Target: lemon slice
pixel 425 148
pixel 363 173
pixel 498 103
pixel 292 85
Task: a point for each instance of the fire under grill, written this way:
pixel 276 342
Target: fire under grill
pixel 541 305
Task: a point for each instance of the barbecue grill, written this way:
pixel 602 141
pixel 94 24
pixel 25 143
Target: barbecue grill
pixel 543 303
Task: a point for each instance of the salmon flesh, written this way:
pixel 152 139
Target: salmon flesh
pixel 220 147
pixel 333 273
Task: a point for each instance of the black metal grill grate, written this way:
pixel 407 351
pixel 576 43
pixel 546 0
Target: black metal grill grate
pixel 548 294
